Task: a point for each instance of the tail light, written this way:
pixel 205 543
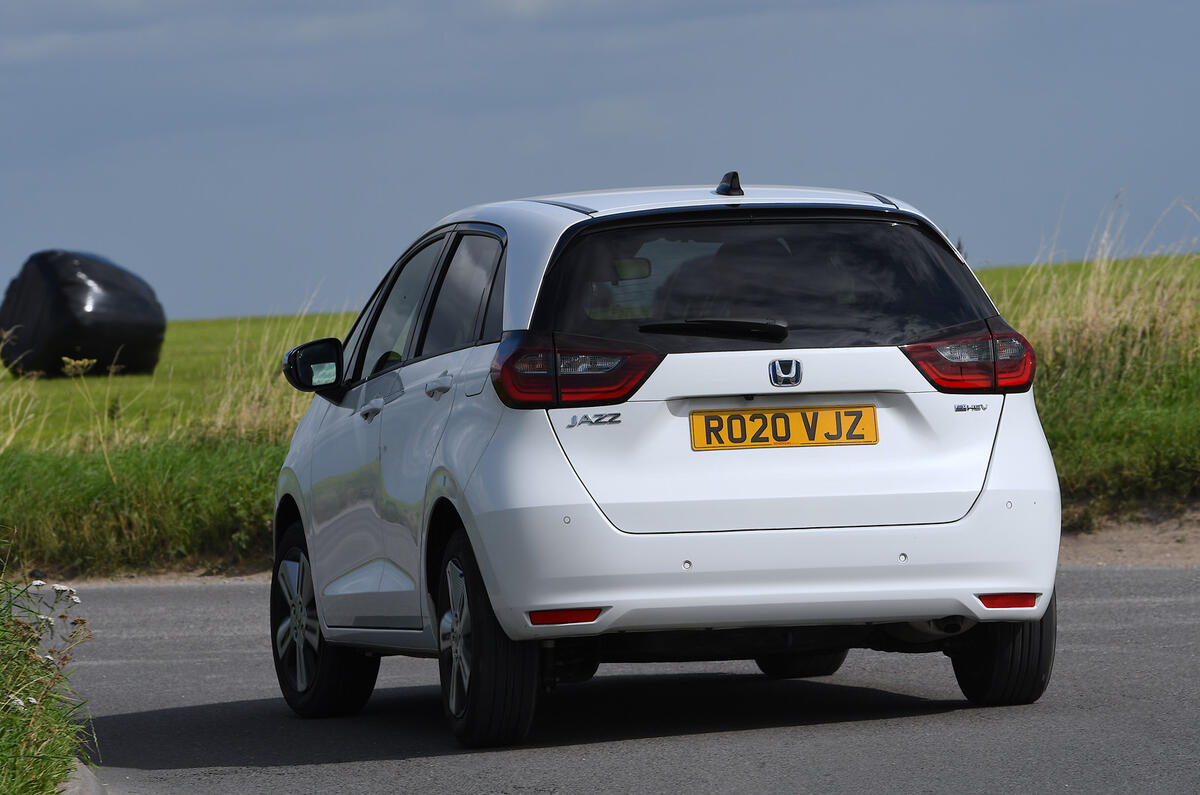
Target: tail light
pixel 541 370
pixel 988 356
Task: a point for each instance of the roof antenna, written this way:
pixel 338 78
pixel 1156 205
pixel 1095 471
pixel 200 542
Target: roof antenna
pixel 730 185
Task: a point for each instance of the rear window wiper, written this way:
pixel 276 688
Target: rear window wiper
pixel 728 327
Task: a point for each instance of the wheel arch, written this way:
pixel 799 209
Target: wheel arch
pixel 289 505
pixel 444 519
pixel 287 513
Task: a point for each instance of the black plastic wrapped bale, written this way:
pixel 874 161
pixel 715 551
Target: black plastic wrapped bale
pixel 80 306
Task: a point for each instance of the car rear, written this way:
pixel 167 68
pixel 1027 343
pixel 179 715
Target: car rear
pixel 767 416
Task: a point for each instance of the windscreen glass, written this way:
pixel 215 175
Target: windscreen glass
pixel 782 284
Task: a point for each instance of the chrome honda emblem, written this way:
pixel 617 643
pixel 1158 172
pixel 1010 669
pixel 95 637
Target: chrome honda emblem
pixel 784 372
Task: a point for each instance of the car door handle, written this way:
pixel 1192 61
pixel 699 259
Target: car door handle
pixel 372 409
pixel 440 385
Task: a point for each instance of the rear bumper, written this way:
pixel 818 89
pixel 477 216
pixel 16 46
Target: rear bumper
pixel 568 555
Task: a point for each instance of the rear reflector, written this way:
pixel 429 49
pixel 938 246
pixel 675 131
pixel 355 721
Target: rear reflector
pixel 994 600
pixel 581 615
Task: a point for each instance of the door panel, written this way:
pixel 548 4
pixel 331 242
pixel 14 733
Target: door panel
pixel 415 415
pixel 413 421
pixel 351 565
pixel 345 522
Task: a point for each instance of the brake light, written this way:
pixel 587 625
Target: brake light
pixel 523 370
pixel 988 356
pixel 539 370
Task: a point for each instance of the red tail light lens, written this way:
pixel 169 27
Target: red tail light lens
pixel 1015 361
pixel 988 356
pixel 523 370
pixel 537 370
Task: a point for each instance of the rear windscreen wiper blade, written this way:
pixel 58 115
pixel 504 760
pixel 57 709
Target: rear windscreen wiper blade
pixel 731 327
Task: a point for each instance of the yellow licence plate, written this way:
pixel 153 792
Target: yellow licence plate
pixel 783 427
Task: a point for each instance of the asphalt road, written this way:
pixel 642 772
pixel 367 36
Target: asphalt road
pixel 183 698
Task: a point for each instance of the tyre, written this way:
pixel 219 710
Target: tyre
pixel 317 678
pixel 799 665
pixel 489 682
pixel 1007 663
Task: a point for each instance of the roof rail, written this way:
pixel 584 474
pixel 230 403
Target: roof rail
pixel 882 199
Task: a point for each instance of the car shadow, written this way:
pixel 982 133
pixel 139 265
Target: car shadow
pixel 627 707
pixel 406 722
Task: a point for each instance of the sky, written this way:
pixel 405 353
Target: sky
pixel 252 158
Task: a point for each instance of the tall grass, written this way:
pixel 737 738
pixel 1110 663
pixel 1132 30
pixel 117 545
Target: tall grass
pixel 1118 383
pixel 1111 325
pixel 16 400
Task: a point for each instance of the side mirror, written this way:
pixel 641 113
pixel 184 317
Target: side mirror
pixel 314 366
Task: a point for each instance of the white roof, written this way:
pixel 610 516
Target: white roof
pixel 608 202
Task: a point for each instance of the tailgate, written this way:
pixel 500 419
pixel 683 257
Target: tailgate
pixel 652 468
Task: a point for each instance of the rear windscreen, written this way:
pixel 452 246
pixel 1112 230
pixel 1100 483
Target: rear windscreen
pixel 716 286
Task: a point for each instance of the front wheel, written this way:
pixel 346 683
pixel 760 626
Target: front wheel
pixel 317 679
pixel 1007 663
pixel 489 682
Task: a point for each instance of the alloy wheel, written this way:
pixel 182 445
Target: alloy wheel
pixel 298 635
pixel 454 633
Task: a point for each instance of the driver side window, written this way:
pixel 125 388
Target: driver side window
pixel 398 317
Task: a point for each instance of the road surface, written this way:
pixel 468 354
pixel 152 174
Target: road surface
pixel 183 699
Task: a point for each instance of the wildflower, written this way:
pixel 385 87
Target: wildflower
pixel 63 589
pixel 76 367
pixel 48 658
pixel 16 701
pixel 75 599
pixel 32 700
pixel 37 583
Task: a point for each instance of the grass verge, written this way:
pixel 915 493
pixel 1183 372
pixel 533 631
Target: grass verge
pixel 40 734
pixel 150 504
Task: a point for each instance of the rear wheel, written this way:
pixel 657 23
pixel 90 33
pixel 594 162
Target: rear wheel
pixel 1007 663
pixel 317 679
pixel 489 682
pixel 799 665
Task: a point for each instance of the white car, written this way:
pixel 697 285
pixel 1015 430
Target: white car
pixel 665 424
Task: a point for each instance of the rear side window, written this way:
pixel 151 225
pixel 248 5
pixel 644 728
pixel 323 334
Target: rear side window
pixel 818 283
pixel 454 321
pixel 493 321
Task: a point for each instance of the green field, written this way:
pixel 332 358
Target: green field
pixel 1118 382
pixel 104 473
